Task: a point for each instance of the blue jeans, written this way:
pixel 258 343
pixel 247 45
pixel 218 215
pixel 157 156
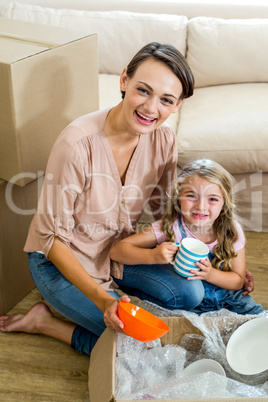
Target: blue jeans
pixel 65 298
pixel 233 300
pixel 161 285
pixel 156 283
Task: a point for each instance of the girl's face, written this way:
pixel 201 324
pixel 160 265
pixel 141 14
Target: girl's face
pixel 151 95
pixel 201 203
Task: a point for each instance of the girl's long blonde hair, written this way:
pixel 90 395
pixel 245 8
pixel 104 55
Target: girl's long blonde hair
pixel 224 225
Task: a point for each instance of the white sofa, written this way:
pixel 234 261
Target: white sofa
pixel 226 46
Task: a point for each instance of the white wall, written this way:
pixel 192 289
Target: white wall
pixel 190 8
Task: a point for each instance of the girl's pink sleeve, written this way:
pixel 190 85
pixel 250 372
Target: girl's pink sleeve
pixel 241 241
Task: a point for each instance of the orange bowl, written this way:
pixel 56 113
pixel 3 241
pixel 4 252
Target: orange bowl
pixel 140 324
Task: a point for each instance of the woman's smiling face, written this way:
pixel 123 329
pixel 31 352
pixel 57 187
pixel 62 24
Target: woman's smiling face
pixel 151 95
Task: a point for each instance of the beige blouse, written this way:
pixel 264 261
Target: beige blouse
pixel 83 201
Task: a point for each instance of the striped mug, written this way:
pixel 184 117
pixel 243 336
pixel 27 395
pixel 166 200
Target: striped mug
pixel 190 251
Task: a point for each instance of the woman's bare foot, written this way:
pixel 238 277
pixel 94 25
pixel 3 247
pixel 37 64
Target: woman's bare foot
pixel 34 322
pixel 38 320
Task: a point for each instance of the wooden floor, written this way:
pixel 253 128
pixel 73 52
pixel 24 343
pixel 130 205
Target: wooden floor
pixel 257 263
pixel 37 368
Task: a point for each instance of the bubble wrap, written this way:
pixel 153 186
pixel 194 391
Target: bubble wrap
pixel 148 371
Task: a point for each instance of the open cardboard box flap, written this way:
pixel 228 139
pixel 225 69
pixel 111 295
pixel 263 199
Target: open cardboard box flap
pixel 102 376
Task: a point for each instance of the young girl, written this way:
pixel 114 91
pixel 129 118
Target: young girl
pixel 201 205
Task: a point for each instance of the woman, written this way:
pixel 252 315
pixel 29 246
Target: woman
pixel 102 170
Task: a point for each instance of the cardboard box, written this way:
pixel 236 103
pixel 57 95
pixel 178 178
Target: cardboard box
pixel 102 376
pixel 18 205
pixel 48 77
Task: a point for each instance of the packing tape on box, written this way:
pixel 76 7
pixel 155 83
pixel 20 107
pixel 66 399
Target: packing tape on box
pixel 27 40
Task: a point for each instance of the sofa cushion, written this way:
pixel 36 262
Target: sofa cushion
pixel 227 123
pixel 228 51
pixel 109 90
pixel 120 33
pixel 110 95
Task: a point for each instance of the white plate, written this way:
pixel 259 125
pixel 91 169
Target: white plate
pixel 203 366
pixel 247 349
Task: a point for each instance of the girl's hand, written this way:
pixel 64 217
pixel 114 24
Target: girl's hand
pixel 164 253
pixel 110 316
pixel 205 270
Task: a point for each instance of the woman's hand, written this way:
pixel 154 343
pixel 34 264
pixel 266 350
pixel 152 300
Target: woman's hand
pixel 110 316
pixel 205 270
pixel 164 253
pixel 249 283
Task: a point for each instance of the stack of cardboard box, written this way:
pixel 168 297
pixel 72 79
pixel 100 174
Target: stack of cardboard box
pixel 48 77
